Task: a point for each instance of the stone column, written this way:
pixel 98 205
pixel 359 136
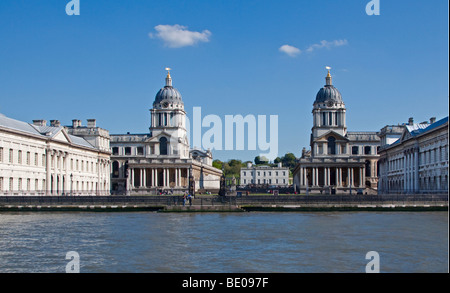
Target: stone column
pixel 132 178
pixel 164 177
pixel 328 176
pixel 405 173
pixel 176 177
pixel 300 177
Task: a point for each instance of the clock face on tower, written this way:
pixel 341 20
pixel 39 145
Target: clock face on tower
pixel 165 104
pixel 330 103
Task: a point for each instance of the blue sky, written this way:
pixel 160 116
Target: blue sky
pixel 108 62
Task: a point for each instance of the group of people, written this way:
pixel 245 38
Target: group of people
pixel 187 197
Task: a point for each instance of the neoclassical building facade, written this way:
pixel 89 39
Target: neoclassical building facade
pixel 417 161
pixel 41 159
pixel 339 161
pixel 264 175
pixel 161 160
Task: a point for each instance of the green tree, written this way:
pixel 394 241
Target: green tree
pixel 217 164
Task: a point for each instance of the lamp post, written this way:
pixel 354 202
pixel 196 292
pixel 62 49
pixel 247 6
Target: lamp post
pixel 71 184
pixel 191 182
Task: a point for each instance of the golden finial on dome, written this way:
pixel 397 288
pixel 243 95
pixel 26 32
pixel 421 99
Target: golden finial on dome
pixel 168 71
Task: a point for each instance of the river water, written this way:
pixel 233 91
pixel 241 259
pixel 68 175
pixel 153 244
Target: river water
pixel 291 242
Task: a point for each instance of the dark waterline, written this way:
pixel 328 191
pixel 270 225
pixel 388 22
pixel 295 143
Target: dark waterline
pixel 146 242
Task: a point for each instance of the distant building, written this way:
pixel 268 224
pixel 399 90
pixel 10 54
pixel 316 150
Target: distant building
pixel 41 159
pixel 161 160
pixel 339 161
pixel 264 175
pixel 417 161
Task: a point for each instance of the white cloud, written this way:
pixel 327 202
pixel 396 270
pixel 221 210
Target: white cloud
pixel 176 36
pixel 290 50
pixel 326 44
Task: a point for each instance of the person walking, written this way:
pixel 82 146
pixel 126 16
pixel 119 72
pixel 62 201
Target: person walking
pixel 190 199
pixel 184 200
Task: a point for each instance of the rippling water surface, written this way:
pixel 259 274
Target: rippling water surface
pixel 224 242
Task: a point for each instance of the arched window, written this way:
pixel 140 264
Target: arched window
pixel 115 169
pixel 331 145
pixel 163 146
pixel 368 171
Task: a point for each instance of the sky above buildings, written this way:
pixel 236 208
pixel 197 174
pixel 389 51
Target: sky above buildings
pixel 228 57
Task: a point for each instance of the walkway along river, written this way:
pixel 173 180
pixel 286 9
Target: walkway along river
pixel 209 203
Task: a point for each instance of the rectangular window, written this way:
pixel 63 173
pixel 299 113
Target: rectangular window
pixel 367 150
pixel 11 184
pixel 28 158
pixel 36 184
pixel 36 159
pixel 140 151
pixel 115 151
pixel 354 150
pixel 28 184
pixel 19 157
pixel 1 154
pixel 1 183
pixel 20 184
pixel 245 174
pixel 127 151
pixel 343 149
pixel 10 155
pixel 43 160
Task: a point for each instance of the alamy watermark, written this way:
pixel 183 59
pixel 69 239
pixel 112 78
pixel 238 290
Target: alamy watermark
pixel 73 7
pixel 373 7
pixel 236 132
pixel 373 266
pixel 73 266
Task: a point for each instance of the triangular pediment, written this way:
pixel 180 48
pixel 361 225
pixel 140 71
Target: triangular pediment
pixel 158 136
pixel 325 136
pixel 61 135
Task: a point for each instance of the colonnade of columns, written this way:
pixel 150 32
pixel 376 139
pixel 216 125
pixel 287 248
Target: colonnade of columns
pixel 332 176
pixel 158 177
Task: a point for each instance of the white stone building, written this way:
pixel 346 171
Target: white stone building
pixel 41 159
pixel 339 161
pixel 161 160
pixel 417 161
pixel 264 175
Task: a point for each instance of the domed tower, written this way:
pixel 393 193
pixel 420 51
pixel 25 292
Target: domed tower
pixel 328 110
pixel 168 121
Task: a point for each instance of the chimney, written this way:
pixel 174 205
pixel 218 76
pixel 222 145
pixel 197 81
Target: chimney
pixel 410 121
pixel 55 123
pixel 279 165
pixel 76 123
pixel 40 122
pixel 249 165
pixel 432 120
pixel 91 123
